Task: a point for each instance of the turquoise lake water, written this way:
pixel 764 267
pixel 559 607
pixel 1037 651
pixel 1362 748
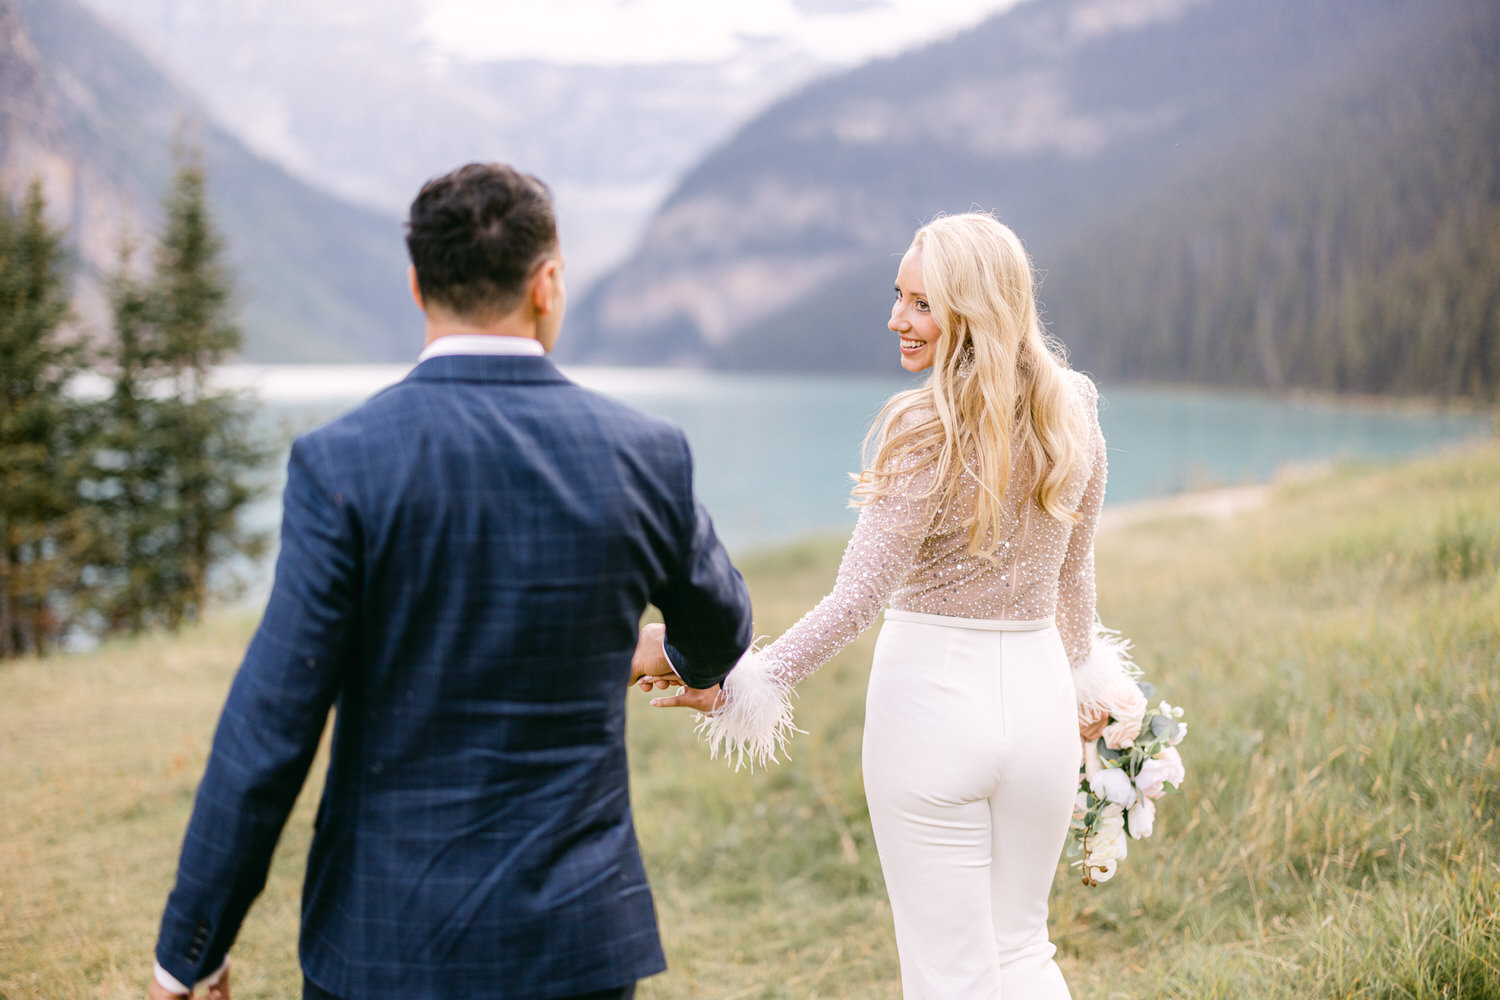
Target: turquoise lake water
pixel 774 453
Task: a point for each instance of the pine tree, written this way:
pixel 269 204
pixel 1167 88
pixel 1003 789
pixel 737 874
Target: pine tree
pixel 202 437
pixel 39 424
pixel 175 459
pixel 134 575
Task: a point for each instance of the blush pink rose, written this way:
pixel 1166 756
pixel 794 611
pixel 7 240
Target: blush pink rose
pixel 1119 735
pixel 1125 701
pixel 1159 771
pixel 1126 706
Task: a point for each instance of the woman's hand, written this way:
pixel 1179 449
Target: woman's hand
pixel 704 700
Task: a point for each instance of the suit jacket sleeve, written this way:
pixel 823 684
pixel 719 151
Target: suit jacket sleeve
pixel 703 600
pixel 270 726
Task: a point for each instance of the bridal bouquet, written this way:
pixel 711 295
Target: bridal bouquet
pixel 1130 758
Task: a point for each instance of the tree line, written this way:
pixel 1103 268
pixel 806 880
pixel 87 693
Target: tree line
pixel 1349 246
pixel 117 500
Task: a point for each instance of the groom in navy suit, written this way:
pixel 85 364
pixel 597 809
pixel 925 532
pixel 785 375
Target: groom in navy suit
pixel 464 562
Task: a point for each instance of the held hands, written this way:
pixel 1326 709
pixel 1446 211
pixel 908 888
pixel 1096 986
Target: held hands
pixel 704 700
pixel 652 671
pixel 649 667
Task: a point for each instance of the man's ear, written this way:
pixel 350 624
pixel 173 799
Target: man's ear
pixel 544 285
pixel 416 288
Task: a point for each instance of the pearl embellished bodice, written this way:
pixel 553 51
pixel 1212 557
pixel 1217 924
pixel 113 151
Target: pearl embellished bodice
pixel 912 552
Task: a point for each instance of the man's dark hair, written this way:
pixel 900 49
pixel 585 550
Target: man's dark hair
pixel 476 235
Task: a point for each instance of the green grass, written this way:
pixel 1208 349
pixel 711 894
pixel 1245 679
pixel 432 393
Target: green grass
pixel 1338 652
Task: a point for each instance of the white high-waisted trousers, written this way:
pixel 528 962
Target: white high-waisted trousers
pixel 971 758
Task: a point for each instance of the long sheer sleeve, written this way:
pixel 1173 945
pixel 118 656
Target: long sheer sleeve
pixel 1103 675
pixel 754 716
pixel 880 554
pixel 1075 582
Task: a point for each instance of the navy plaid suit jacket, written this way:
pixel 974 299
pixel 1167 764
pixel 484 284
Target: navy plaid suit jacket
pixel 464 562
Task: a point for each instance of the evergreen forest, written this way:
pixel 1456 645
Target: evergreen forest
pixel 1351 244
pixel 116 505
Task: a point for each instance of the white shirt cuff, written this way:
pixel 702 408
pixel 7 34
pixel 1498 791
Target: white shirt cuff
pixel 169 982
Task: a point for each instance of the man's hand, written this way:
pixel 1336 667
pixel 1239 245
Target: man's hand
pixel 650 667
pixel 703 699
pixel 218 991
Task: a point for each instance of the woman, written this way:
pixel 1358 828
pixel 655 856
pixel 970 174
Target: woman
pixel 977 527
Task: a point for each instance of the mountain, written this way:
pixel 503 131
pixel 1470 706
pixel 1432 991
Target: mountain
pixel 609 102
pixel 96 122
pixel 1349 243
pixel 1089 125
pixel 350 98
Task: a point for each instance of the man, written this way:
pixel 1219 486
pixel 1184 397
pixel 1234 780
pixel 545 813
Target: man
pixel 464 562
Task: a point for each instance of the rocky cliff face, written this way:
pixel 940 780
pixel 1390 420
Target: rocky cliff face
pixel 37 144
pixel 91 119
pixel 353 98
pixel 777 250
pixel 826 186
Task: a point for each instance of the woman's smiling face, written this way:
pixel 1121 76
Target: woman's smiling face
pixel 911 316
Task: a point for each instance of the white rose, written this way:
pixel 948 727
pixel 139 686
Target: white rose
pixel 1181 732
pixel 1113 785
pixel 1106 849
pixel 1109 842
pixel 1142 815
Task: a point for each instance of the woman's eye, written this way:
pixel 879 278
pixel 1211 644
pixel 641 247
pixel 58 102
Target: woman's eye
pixel 922 304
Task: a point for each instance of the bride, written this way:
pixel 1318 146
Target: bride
pixel 976 536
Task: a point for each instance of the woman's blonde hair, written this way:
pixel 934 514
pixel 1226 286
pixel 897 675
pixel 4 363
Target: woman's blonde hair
pixel 996 373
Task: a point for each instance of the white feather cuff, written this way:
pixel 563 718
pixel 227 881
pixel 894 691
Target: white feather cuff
pixel 754 718
pixel 1102 674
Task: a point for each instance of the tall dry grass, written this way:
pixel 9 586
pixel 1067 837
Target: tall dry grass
pixel 1338 651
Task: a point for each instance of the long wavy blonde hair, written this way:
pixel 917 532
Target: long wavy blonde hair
pixel 995 373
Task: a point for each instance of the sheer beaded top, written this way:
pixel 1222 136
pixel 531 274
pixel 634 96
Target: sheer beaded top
pixel 913 553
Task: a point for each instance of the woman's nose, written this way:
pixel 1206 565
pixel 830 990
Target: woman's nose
pixel 898 322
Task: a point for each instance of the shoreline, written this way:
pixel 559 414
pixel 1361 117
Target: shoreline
pixel 300 381
pixel 1213 504
pixel 1317 397
pixel 1222 503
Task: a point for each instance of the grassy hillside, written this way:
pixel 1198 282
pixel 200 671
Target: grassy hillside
pixel 1338 651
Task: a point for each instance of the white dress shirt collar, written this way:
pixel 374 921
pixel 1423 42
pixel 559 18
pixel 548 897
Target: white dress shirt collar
pixel 479 343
